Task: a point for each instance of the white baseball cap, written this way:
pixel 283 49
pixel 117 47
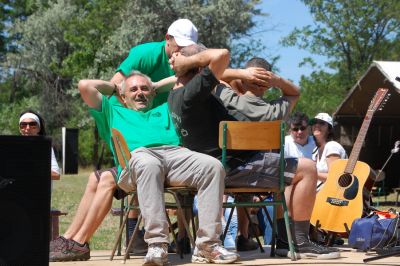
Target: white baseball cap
pixel 322 116
pixel 184 32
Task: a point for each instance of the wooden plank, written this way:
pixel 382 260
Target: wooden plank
pixel 251 135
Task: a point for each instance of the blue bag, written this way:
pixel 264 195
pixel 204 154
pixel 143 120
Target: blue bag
pixel 372 232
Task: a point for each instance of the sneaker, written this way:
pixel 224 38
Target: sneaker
pixel 214 254
pixel 282 249
pixel 58 243
pixel 72 251
pixel 157 254
pixel 139 246
pixel 312 250
pixel 245 244
pixel 307 250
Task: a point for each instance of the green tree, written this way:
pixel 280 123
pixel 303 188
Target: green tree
pixel 63 41
pixel 351 34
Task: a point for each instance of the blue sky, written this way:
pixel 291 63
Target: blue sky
pixel 284 16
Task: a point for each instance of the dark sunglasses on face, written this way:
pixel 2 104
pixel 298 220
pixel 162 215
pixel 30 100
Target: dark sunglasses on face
pixel 295 129
pixel 30 124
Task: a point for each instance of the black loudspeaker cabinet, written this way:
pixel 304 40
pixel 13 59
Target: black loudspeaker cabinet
pixel 70 150
pixel 25 185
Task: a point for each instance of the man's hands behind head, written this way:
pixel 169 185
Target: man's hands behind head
pixel 259 77
pixel 179 63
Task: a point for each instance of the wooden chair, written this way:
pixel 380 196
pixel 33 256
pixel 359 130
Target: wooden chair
pixel 123 156
pixel 263 136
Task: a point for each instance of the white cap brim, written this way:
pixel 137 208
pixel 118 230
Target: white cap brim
pixel 183 42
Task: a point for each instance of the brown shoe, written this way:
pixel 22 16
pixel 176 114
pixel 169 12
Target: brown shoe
pixel 58 243
pixel 72 251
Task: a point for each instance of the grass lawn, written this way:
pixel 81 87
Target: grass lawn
pixel 66 195
pixel 68 191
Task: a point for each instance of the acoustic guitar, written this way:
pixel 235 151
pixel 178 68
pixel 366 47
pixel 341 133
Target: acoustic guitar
pixel 340 200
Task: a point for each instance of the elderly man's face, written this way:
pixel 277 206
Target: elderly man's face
pixel 299 133
pixel 139 93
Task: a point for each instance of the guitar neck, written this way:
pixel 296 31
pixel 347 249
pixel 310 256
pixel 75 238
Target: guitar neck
pixel 355 153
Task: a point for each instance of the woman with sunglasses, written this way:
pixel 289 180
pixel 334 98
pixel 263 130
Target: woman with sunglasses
pixel 327 149
pixel 32 124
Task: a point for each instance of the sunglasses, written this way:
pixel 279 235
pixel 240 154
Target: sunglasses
pixel 295 129
pixel 30 124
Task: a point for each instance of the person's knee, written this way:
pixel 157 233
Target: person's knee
pixel 214 171
pixel 107 181
pixel 306 168
pixel 92 183
pixel 215 167
pixel 145 162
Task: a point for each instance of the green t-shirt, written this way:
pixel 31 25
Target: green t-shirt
pixel 152 60
pixel 140 129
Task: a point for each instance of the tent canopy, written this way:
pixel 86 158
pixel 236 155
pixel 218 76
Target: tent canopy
pixel 380 74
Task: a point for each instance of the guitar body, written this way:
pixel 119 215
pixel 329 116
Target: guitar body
pixel 340 200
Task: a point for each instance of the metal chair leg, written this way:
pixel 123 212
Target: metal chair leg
pixel 180 212
pixel 121 229
pixel 126 256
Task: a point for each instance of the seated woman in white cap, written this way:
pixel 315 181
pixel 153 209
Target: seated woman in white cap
pixel 327 149
pixel 32 124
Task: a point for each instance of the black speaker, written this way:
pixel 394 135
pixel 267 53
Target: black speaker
pixel 70 150
pixel 25 184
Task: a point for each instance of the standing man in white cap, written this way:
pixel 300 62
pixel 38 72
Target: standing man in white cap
pixel 152 58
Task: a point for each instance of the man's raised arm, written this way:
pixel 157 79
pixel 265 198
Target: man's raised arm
pixel 91 91
pixel 216 59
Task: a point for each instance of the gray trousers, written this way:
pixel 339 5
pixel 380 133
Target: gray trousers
pixel 150 169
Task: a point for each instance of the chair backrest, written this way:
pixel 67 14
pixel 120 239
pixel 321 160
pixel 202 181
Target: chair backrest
pixel 240 135
pixel 245 135
pixel 120 147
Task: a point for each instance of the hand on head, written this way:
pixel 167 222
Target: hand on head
pixel 178 63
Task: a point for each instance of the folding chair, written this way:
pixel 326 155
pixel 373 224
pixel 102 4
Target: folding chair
pixel 123 156
pixel 262 136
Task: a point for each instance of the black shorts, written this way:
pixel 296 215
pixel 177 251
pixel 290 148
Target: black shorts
pixel 262 170
pixel 118 193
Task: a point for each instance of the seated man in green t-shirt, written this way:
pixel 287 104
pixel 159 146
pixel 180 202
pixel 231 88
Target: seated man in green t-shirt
pixel 151 59
pixel 157 159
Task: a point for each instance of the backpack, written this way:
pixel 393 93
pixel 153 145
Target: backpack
pixel 375 231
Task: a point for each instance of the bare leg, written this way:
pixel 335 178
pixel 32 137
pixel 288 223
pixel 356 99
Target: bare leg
pixel 84 207
pixel 99 208
pixel 243 223
pixel 303 191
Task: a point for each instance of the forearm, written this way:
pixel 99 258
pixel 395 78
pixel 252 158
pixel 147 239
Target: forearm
pixel 216 59
pixel 165 85
pixel 232 74
pixel 91 91
pixel 287 87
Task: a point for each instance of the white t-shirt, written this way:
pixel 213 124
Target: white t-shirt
pixel 331 147
pixel 293 149
pixel 54 164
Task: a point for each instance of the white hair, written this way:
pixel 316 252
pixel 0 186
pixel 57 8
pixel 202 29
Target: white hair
pixel 135 73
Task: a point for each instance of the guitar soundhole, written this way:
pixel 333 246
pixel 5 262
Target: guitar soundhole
pixel 345 180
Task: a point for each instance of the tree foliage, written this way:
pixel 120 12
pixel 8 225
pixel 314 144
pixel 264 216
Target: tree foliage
pixel 351 34
pixel 57 42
